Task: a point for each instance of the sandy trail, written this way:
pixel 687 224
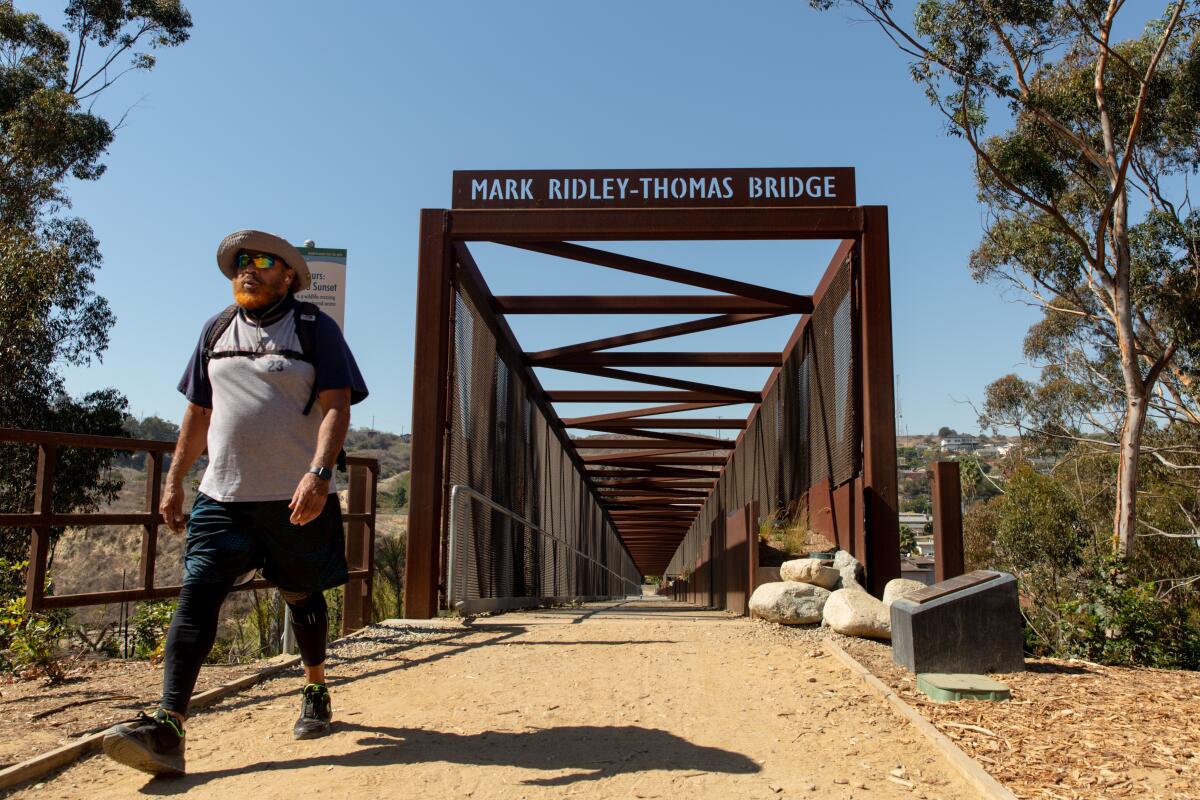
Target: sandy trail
pixel 644 699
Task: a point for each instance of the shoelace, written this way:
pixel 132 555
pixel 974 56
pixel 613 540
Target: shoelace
pixel 165 719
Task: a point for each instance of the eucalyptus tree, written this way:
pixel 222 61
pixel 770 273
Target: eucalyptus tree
pixel 1082 150
pixel 50 133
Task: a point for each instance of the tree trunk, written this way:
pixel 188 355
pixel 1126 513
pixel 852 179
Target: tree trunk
pixel 1125 518
pixel 1137 393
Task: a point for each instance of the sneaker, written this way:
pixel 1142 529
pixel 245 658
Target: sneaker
pixel 152 744
pixel 316 713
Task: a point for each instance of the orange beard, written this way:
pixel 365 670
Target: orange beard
pixel 261 297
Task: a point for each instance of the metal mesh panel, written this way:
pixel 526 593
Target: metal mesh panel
pixel 806 429
pixel 526 525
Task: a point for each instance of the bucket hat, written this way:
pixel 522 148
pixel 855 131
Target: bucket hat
pixel 261 242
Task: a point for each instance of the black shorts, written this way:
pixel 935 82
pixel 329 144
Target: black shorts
pixel 228 540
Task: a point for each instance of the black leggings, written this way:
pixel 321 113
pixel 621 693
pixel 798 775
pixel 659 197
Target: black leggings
pixel 194 629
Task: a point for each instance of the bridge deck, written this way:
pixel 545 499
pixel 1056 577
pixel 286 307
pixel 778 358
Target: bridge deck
pixel 644 698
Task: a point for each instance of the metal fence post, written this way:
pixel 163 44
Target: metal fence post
pixel 947 521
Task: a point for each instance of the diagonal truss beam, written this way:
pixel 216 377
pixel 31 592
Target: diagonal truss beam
pixel 641 304
pixel 649 396
pixel 668 359
pixel 642 412
pixel 650 335
pixel 640 266
pixel 635 444
pixel 734 395
pixel 675 423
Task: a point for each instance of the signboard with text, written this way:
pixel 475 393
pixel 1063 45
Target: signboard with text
pixel 654 188
pixel 328 289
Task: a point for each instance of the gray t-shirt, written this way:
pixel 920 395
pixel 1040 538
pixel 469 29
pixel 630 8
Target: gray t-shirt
pixel 260 442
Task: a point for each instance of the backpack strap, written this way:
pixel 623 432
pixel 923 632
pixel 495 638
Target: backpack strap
pixel 305 317
pixel 219 326
pixel 306 331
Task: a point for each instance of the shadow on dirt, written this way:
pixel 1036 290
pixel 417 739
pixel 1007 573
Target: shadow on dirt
pixel 591 752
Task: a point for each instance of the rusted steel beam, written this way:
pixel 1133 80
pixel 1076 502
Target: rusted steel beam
pixel 948 559
pixel 157 593
pixel 642 412
pixel 878 410
pixel 609 224
pixel 660 460
pixel 646 396
pixel 76 520
pixel 651 335
pixel 84 440
pixel 708 442
pixel 639 304
pixel 154 465
pixel 636 456
pixel 668 359
pixel 599 472
pixel 674 423
pixel 640 444
pixel 640 266
pixel 430 367
pixel 736 395
pixel 623 491
pixel 654 483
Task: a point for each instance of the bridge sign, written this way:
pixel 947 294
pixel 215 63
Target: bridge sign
pixel 655 188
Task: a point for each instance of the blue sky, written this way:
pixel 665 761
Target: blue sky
pixel 339 125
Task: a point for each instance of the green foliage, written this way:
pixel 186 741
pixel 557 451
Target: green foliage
pixel 30 642
pixel 1123 622
pixel 391 553
pixel 149 623
pixel 49 314
pixel 908 541
pixel 391 450
pixel 1078 599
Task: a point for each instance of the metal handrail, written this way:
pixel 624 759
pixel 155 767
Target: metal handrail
pixel 359 519
pixel 460 489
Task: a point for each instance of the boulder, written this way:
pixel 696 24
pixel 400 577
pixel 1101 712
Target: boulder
pixel 788 602
pixel 810 570
pixel 900 587
pixel 854 612
pixel 851 570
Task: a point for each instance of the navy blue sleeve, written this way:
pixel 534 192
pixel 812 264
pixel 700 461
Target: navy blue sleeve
pixel 336 368
pixel 194 384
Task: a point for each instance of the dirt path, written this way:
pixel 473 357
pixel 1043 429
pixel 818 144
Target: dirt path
pixel 639 699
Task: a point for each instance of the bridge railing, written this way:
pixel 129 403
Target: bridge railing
pixel 559 572
pixel 43 520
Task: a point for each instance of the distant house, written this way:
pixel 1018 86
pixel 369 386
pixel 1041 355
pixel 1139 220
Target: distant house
pixel 959 444
pixel 917 568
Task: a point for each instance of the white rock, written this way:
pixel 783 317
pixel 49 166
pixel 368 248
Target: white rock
pixel 850 569
pixel 853 612
pixel 788 602
pixel 900 587
pixel 810 570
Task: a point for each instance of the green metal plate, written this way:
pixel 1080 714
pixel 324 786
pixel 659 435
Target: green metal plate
pixel 948 687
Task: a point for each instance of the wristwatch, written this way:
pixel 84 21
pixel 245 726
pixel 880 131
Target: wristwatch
pixel 324 473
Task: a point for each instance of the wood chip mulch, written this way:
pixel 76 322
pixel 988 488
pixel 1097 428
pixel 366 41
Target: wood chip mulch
pixel 1073 730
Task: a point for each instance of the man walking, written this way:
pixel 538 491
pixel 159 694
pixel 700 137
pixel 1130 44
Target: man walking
pixel 269 390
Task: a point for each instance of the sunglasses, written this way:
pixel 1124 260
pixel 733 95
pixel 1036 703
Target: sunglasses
pixel 257 260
